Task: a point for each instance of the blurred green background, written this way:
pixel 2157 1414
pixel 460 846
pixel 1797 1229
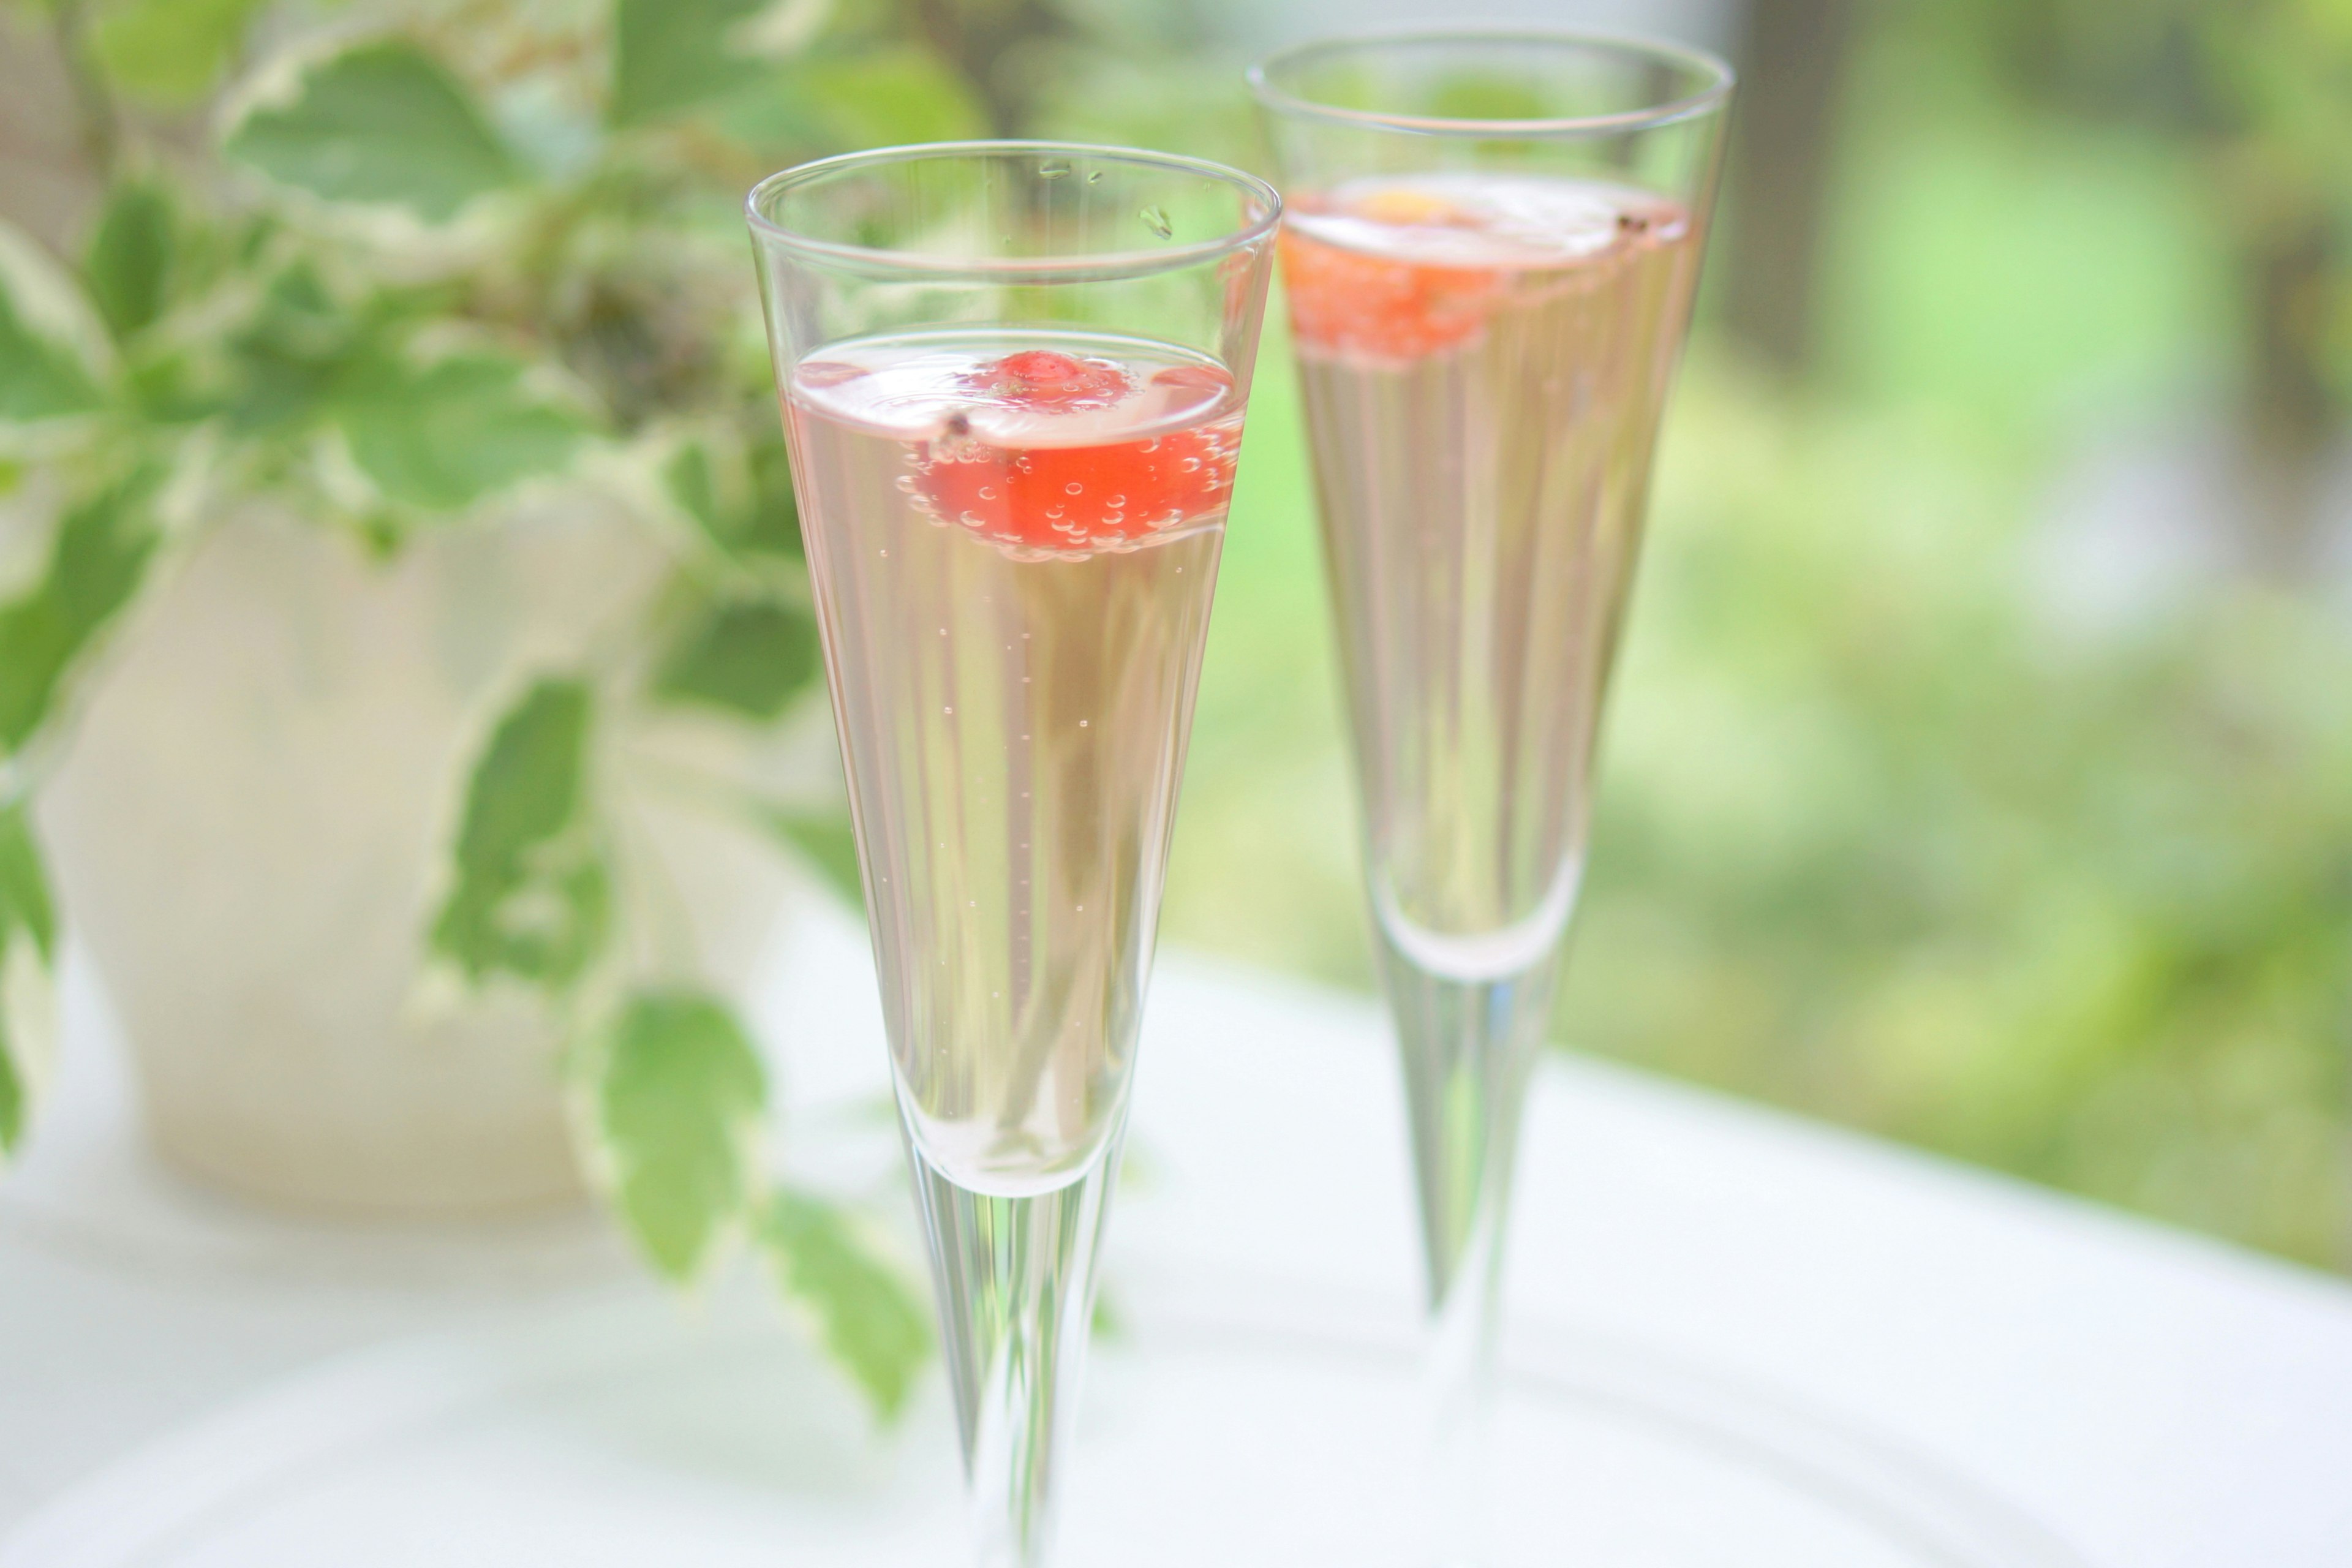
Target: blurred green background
pixel 1979 771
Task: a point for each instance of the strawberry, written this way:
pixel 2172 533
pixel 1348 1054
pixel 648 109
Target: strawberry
pixel 1076 498
pixel 1040 378
pixel 1073 499
pixel 1346 301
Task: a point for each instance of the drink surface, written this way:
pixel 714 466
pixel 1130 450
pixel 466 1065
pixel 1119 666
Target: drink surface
pixel 1013 542
pixel 1483 358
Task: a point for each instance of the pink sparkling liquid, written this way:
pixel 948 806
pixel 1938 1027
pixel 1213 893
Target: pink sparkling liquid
pixel 1013 691
pixel 1483 359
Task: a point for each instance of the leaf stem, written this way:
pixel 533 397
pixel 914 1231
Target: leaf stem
pixel 101 123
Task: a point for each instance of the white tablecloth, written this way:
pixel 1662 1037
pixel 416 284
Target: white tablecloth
pixel 2156 1401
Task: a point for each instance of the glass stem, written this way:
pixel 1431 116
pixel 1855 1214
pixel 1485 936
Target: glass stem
pixel 1016 1278
pixel 1467 1046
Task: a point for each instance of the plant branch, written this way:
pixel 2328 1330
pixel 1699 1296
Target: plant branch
pixel 102 124
pixel 978 51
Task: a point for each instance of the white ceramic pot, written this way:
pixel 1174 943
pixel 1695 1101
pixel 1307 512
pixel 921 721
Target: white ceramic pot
pixel 248 829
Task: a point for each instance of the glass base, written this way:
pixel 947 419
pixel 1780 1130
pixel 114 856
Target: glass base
pixel 1219 1427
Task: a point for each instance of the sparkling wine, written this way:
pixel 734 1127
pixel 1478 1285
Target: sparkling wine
pixel 1013 541
pixel 1484 357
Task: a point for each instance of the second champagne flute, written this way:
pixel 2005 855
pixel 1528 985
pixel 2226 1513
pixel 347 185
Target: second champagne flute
pixel 1012 377
pixel 1490 250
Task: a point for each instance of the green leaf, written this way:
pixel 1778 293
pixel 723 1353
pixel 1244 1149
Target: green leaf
pixel 45 369
pixel 672 55
pixel 773 527
pixel 170 53
pixel 688 479
pixel 176 388
pixel 28 952
pixel 443 435
pixel 130 260
pixel 24 901
pixel 766 523
pixel 881 95
pixel 380 123
pixel 95 564
pixel 872 1323
pixel 887 97
pixel 531 896
pixel 12 1082
pixel 825 840
pixel 676 1094
pixel 751 656
pixel 289 361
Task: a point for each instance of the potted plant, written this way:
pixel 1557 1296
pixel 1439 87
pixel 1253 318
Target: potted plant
pixel 406 671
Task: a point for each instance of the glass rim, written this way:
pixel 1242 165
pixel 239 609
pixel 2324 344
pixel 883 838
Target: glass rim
pixel 1715 76
pixel 1069 268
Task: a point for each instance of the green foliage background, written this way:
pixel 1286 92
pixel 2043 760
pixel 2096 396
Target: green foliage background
pixel 1889 831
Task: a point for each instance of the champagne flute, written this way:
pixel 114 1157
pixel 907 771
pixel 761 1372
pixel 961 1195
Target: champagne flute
pixel 1012 377
pixel 1490 249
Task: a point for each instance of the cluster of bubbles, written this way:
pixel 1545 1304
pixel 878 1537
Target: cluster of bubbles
pixel 1212 452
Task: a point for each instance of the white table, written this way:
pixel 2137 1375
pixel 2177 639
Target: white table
pixel 2156 1400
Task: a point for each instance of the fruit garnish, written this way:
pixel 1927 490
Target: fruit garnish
pixel 1042 379
pixel 1074 499
pixel 1408 208
pixel 1351 302
pixel 1397 271
pixel 1069 499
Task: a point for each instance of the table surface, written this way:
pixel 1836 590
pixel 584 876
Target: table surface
pixel 2155 1400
